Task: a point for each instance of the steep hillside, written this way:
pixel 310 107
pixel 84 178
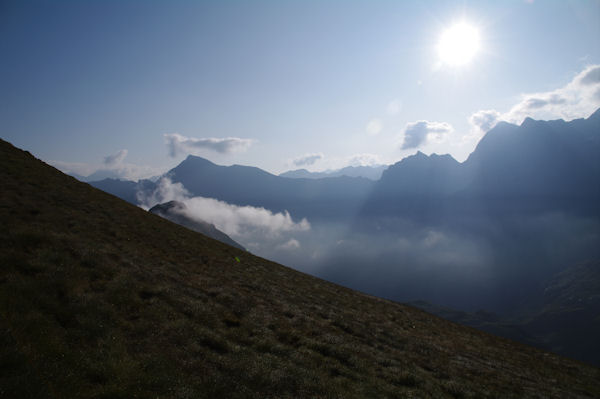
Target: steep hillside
pixel 175 212
pixel 100 299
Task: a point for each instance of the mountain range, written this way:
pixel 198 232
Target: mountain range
pixel 487 233
pixel 99 298
pixel 539 163
pixel 372 172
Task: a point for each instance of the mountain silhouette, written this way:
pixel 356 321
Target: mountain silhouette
pixel 537 165
pixel 245 185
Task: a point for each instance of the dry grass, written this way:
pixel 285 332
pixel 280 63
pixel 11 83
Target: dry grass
pixel 99 299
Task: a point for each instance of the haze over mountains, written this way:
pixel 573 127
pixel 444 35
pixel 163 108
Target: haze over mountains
pixel 482 234
pixel 370 172
pixel 100 299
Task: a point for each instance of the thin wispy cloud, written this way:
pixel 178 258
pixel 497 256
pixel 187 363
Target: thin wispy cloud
pixel 364 159
pixel 115 159
pixel 178 144
pixel 419 133
pixel 307 159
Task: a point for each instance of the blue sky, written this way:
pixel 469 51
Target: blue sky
pixel 136 86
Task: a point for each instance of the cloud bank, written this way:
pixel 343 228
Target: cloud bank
pixel 418 133
pixel 251 226
pixel 242 222
pixel 178 144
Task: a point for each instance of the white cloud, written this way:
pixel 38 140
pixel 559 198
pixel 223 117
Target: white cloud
pixel 364 159
pixel 394 107
pixel 242 221
pixel 165 191
pixel 178 144
pixel 374 126
pixel 307 159
pixel 419 132
pixel 247 224
pixel 289 245
pixel 577 99
pixel 115 159
pixel 481 122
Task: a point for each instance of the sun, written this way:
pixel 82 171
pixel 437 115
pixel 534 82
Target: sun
pixel 458 44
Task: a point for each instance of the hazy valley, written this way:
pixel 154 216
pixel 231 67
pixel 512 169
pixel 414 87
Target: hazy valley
pixel 486 234
pixel 102 299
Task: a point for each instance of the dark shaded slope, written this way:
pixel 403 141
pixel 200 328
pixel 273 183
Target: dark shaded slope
pixel 99 298
pixel 417 186
pixel 175 212
pixel 568 320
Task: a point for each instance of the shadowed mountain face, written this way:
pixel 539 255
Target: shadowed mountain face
pixel 99 298
pixel 176 212
pixel 538 166
pixel 337 197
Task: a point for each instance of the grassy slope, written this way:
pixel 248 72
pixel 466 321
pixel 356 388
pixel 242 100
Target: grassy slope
pixel 101 299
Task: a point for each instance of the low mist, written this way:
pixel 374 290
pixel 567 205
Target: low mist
pixel 465 260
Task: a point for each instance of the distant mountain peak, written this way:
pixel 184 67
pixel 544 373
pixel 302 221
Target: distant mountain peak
pixel 421 157
pixel 528 122
pixel 196 160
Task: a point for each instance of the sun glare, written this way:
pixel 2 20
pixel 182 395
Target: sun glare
pixel 458 44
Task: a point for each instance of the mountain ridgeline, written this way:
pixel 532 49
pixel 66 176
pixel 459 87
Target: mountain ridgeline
pixel 539 163
pixel 370 172
pixel 100 299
